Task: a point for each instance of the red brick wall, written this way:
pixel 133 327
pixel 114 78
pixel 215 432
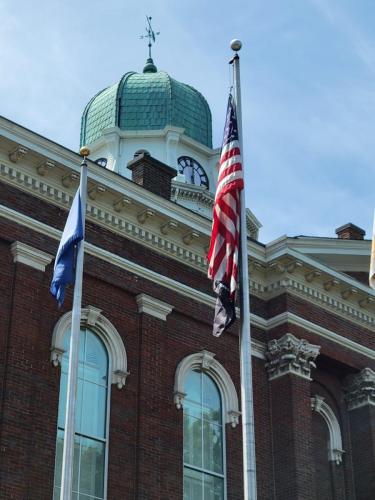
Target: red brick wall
pixel 292 438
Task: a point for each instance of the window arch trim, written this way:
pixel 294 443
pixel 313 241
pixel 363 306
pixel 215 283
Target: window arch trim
pixel 335 450
pixel 92 318
pixel 204 360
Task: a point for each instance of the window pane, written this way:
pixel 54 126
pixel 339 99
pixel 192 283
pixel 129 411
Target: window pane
pixel 76 463
pixel 192 441
pixel 193 485
pixel 59 454
pixel 92 467
pixel 193 386
pixel 66 345
pixel 211 399
pixel 193 409
pixel 212 447
pixel 213 488
pixel 78 417
pixel 95 360
pixel 93 410
pixel 203 439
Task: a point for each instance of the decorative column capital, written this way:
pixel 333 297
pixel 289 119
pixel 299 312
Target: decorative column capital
pixel 290 355
pixel 360 389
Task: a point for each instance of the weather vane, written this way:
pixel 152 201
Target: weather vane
pixel 151 35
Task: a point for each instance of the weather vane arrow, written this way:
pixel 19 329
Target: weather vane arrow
pixel 150 35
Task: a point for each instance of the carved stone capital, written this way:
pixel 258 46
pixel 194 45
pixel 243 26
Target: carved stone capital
pixel 290 355
pixel 360 389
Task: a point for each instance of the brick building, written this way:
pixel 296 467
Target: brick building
pixel 158 395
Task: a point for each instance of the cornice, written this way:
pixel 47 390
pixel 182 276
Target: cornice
pixel 288 317
pixel 50 172
pixel 341 308
pixel 175 244
pixel 186 291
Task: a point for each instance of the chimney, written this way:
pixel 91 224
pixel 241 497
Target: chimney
pixel 350 231
pixel 152 174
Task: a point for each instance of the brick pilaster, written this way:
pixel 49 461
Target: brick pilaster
pixel 156 477
pixel 289 364
pixel 360 398
pixel 30 386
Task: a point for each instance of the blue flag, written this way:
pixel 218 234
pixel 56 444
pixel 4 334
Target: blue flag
pixel 65 262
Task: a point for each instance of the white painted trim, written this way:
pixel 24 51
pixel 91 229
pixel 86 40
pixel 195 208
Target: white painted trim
pixel 30 256
pixel 205 362
pixel 285 251
pixel 153 307
pixel 92 318
pixel 335 450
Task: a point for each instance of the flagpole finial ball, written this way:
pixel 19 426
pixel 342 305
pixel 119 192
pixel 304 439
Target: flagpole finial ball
pixel 84 151
pixel 236 45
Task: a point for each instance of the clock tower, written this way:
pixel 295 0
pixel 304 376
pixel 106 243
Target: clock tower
pixel 152 113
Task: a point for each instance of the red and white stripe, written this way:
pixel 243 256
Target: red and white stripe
pixel 223 253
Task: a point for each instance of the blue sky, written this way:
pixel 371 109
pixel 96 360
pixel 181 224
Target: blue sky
pixel 308 88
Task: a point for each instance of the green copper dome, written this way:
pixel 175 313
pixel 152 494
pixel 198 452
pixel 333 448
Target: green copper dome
pixel 148 101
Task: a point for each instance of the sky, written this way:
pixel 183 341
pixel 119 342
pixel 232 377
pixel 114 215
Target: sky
pixel 308 88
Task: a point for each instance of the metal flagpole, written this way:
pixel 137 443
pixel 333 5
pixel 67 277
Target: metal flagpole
pixel 68 450
pixel 247 409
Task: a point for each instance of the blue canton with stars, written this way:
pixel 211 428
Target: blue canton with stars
pixel 231 129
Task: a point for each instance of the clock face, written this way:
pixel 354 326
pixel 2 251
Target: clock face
pixel 193 171
pixel 102 162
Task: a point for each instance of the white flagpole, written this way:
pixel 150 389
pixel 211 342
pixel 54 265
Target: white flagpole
pixel 247 409
pixel 68 450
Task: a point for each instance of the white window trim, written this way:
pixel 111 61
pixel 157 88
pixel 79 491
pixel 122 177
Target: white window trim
pixel 335 450
pixel 205 362
pixel 92 318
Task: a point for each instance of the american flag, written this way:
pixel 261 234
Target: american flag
pixel 223 253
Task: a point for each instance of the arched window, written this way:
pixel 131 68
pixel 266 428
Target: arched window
pixel 327 449
pixel 102 362
pixel 204 471
pixel 91 433
pixel 205 391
